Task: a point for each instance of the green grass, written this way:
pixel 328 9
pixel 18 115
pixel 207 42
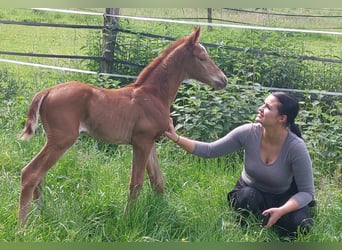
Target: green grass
pixel 86 191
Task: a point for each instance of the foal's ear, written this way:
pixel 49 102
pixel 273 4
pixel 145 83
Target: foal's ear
pixel 195 35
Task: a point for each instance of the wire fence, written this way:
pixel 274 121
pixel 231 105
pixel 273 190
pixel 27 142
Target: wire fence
pixel 249 50
pixel 154 36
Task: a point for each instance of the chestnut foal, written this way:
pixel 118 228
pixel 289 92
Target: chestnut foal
pixel 136 114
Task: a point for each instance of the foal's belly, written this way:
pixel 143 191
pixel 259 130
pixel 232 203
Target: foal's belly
pixel 117 133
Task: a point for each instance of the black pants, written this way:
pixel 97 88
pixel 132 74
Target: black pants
pixel 248 199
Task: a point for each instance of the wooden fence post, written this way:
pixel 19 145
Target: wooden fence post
pixel 210 18
pixel 109 39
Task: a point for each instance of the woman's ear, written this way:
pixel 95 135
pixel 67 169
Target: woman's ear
pixel 283 119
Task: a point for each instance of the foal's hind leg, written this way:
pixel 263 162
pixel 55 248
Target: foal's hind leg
pixel 153 170
pixel 37 193
pixel 33 174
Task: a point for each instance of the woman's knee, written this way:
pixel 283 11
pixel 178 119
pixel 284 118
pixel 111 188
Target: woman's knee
pixel 298 221
pixel 246 198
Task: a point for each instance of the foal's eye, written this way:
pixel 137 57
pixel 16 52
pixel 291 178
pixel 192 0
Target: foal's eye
pixel 202 59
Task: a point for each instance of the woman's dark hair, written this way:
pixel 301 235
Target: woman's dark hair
pixel 289 106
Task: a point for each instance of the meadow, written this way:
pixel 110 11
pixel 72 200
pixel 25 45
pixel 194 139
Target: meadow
pixel 85 193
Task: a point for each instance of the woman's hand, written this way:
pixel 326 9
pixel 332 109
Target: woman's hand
pixel 181 141
pixel 275 214
pixel 171 132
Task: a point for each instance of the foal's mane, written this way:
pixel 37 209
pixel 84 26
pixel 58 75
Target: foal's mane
pixel 145 73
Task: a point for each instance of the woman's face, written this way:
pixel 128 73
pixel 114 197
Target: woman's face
pixel 268 114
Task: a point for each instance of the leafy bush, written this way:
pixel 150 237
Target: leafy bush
pixel 207 115
pixel 320 120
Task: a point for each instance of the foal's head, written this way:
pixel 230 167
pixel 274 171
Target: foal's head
pixel 199 66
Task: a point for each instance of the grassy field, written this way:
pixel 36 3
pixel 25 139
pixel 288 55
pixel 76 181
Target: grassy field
pixel 86 191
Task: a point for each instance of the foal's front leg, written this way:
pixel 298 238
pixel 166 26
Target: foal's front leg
pixel 141 152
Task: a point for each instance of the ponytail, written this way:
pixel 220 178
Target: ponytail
pixel 289 106
pixel 295 129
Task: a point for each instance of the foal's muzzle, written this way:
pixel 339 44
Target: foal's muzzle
pixel 220 84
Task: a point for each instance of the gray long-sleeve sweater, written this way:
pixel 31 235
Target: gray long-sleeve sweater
pixel 293 161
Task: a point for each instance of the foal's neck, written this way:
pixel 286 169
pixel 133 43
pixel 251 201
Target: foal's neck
pixel 165 80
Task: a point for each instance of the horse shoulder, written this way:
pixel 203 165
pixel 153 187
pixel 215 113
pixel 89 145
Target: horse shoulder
pixel 153 113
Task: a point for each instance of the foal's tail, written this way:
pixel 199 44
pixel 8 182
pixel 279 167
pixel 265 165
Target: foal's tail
pixel 32 116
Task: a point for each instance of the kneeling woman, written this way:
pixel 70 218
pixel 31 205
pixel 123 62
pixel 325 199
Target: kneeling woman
pixel 277 178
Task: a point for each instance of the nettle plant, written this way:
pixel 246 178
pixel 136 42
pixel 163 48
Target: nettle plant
pixel 320 120
pixel 207 115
